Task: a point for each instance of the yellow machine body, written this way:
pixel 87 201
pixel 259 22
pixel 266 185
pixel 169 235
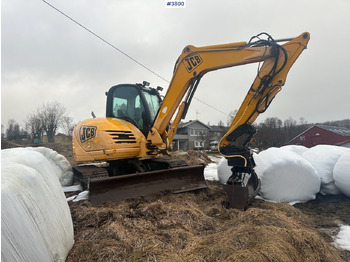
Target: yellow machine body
pixel 106 139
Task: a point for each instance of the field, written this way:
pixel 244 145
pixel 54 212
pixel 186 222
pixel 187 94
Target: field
pixel 197 226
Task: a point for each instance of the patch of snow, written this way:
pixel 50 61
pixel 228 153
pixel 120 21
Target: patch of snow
pixel 82 196
pixel 342 240
pixel 215 159
pixel 71 198
pixel 73 188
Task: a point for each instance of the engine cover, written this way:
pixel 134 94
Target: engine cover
pixel 106 139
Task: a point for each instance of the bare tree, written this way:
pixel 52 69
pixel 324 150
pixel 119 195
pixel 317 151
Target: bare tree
pixel 67 125
pixel 231 116
pixel 51 115
pixel 290 128
pixel 34 126
pixel 14 132
pixel 204 138
pixel 270 133
pixel 2 131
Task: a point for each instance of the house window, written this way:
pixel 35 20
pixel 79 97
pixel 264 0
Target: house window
pixel 198 144
pixel 302 138
pixel 196 132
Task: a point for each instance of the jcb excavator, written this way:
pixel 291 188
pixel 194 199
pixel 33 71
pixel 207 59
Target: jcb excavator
pixel 133 139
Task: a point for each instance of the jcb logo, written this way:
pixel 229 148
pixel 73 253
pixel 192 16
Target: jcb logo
pixel 192 62
pixel 87 133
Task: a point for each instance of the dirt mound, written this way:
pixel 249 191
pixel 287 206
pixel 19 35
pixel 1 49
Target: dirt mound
pixel 195 226
pixel 192 157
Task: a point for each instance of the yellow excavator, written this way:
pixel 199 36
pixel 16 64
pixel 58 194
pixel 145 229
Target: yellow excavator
pixel 125 154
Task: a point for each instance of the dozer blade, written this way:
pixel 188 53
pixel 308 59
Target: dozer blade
pixel 175 180
pixel 241 196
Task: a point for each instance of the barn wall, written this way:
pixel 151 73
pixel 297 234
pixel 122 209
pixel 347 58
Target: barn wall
pixel 317 136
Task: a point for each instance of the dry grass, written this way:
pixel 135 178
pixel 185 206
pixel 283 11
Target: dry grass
pixel 195 227
pixel 192 157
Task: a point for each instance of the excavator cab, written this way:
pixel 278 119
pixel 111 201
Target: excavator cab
pixel 138 104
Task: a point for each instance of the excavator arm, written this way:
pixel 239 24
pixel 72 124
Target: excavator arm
pixel 194 62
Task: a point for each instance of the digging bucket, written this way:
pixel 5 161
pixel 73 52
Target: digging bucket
pixel 241 196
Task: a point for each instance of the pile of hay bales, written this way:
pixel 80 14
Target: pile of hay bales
pixel 195 226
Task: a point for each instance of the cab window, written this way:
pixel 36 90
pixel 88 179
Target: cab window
pixel 127 105
pixel 153 103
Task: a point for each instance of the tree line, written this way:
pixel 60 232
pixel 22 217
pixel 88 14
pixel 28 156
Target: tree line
pixel 47 119
pixel 274 132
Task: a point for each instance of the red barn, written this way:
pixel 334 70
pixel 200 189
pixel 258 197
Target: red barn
pixel 322 134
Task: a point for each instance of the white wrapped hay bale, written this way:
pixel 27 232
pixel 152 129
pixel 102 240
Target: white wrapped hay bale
pixel 341 174
pixel 286 176
pixel 324 158
pixel 224 171
pixel 295 148
pixel 210 172
pixel 60 165
pixel 36 224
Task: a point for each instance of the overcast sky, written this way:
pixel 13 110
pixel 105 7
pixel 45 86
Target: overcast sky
pixel 46 57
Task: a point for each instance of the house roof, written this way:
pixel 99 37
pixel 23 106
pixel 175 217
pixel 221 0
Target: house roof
pixel 343 131
pixel 217 128
pixel 192 122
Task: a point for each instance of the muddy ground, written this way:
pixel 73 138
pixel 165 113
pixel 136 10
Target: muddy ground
pixel 197 226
